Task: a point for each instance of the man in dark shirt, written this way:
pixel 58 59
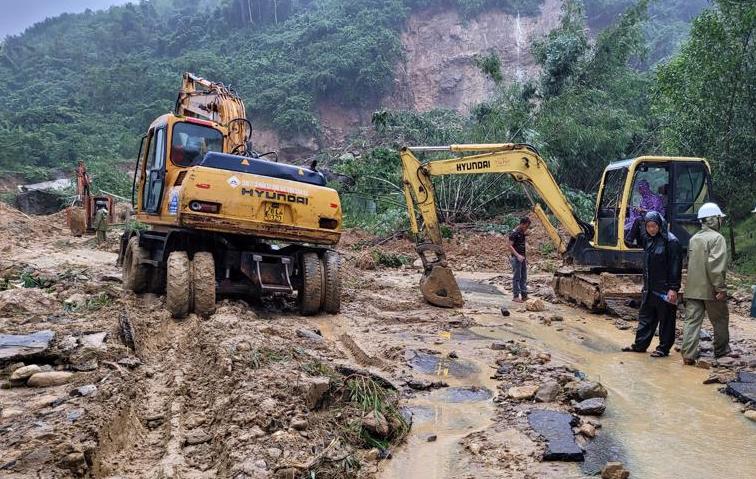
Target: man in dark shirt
pixel 519 262
pixel 662 271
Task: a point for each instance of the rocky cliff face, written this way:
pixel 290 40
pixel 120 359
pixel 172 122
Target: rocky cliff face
pixel 438 70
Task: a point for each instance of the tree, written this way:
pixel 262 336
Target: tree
pixel 706 98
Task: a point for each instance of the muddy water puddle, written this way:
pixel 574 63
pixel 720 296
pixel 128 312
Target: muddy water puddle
pixel 660 416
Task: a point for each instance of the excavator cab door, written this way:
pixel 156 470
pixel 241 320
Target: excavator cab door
pixel 609 206
pixel 154 172
pixel 690 188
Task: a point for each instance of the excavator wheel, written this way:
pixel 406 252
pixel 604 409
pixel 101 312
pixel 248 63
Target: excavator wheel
pixel 311 292
pixel 135 274
pixel 178 288
pixel 332 282
pixel 203 280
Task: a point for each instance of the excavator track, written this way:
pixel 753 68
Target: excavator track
pixel 591 289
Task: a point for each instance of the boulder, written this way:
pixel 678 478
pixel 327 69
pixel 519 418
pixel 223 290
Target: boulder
pixel 86 390
pixel 548 391
pixel 25 372
pixel 520 393
pixel 591 407
pixel 582 390
pixel 499 346
pixel 587 430
pixel 55 378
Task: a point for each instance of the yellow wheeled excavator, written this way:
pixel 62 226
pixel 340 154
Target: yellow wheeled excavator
pixel 598 262
pixel 223 218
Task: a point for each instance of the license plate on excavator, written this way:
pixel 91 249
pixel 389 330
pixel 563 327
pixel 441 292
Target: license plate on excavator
pixel 273 212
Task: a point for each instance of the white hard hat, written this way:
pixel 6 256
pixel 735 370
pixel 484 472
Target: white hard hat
pixel 754 210
pixel 709 209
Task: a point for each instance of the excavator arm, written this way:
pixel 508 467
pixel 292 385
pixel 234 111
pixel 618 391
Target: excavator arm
pixel 522 162
pixel 200 98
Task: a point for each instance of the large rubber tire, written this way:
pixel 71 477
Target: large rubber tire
pixel 332 282
pixel 135 274
pixel 203 280
pixel 311 291
pixel 178 288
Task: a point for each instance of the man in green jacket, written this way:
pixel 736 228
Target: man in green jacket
pixel 705 288
pixel 101 222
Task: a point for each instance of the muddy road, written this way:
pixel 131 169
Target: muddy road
pixel 122 390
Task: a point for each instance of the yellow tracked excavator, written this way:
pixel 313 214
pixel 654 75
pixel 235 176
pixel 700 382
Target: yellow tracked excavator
pixel 598 263
pixel 223 218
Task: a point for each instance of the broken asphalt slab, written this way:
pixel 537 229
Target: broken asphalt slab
pixel 556 428
pixel 15 347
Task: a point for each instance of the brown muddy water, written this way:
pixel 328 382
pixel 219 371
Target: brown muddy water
pixel 661 421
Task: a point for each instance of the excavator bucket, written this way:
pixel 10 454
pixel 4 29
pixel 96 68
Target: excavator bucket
pixel 438 285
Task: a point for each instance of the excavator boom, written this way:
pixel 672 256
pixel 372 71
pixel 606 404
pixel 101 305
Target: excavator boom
pixel 522 162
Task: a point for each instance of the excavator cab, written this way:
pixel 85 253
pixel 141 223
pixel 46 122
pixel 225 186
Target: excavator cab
pixel 675 187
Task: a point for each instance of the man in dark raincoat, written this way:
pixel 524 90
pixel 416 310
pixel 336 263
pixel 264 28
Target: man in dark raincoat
pixel 662 271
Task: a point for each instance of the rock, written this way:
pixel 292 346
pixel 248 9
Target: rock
pixel 548 391
pixel 287 473
pixel 746 376
pixel 299 423
pixel 499 346
pixel 614 470
pixel 556 428
pixel 522 392
pixel 311 335
pixel 543 357
pixel 557 317
pixel 727 362
pixel 587 430
pixel 376 424
pixel 274 452
pixel 88 365
pixel 418 263
pixel 743 392
pixel 23 373
pixel 94 340
pixel 75 300
pixel 55 378
pixel 76 463
pixel 622 325
pixel 130 362
pixel 432 438
pixel 591 407
pixel 720 378
pixel 504 311
pixel 373 454
pixel 453 355
pixel 313 389
pixel 535 305
pixel 750 414
pixel 86 390
pixel 419 384
pixel 14 347
pixel 74 414
pixel 586 390
pixel 704 335
pixel 196 436
pixel 703 363
pixel 69 343
pixel 475 448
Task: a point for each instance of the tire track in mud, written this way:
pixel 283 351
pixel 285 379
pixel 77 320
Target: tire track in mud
pixel 146 438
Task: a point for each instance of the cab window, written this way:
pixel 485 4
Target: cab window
pixel 691 188
pixel 191 142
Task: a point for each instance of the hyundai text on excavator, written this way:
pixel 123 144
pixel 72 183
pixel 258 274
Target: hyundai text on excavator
pixel 599 264
pixel 223 218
